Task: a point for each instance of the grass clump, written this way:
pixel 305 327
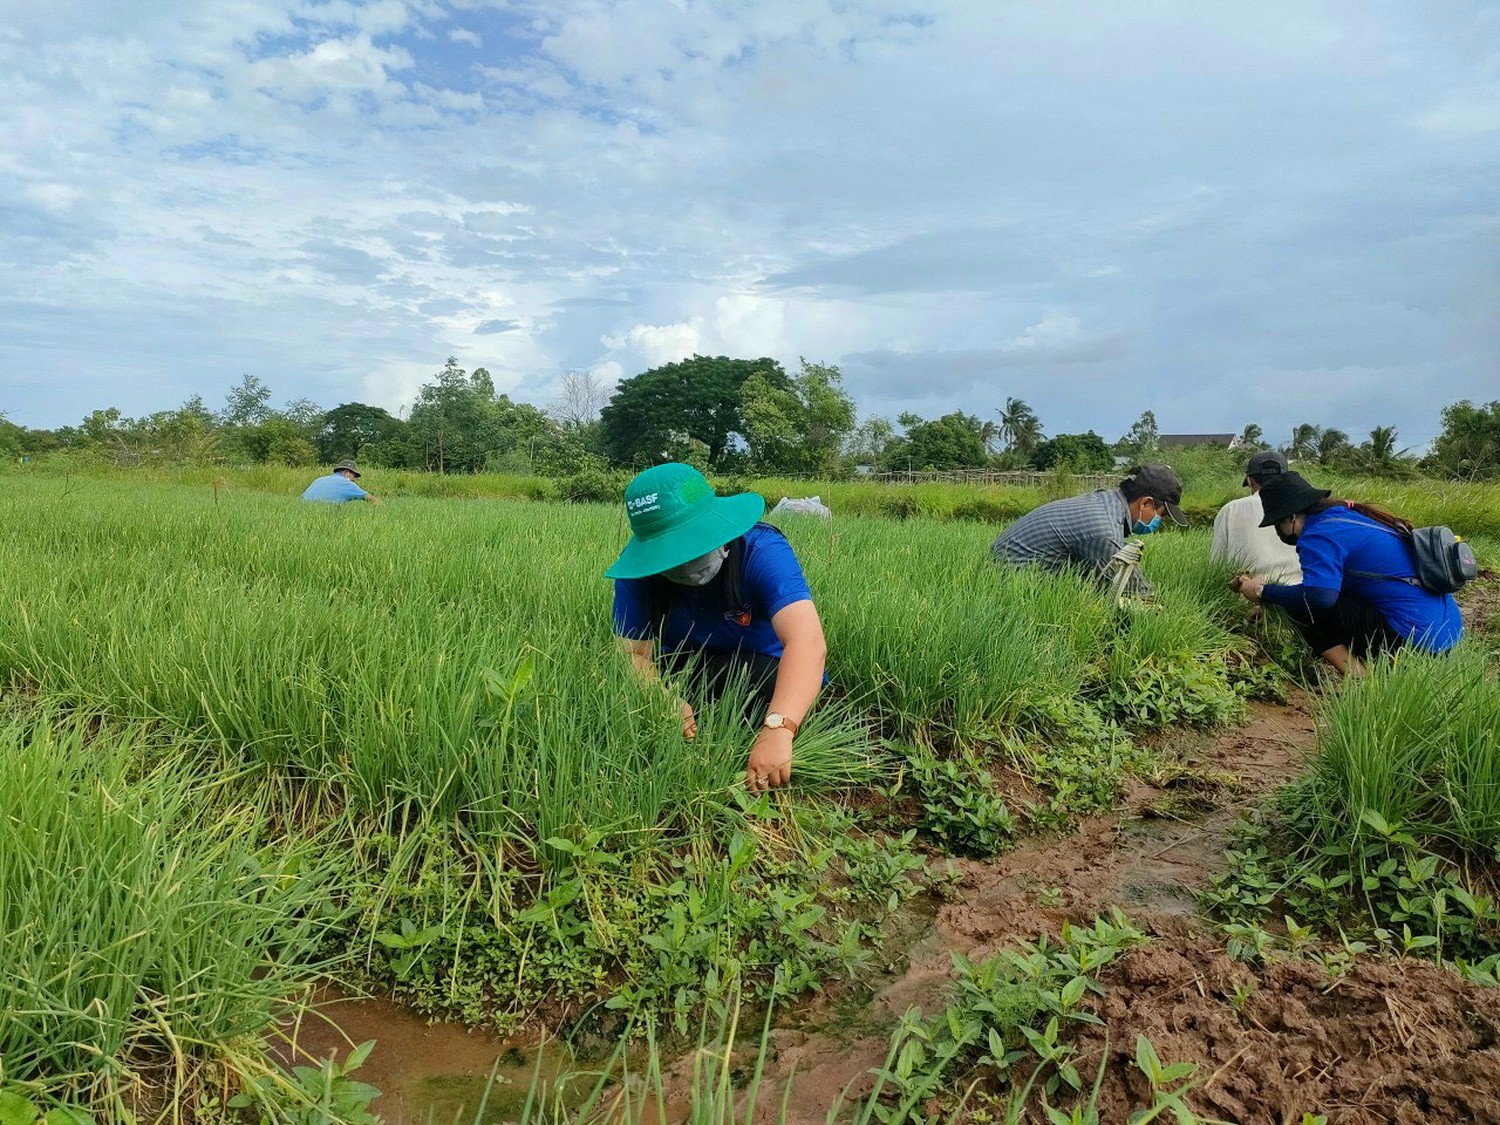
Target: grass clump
pixel 1395 832
pixel 149 937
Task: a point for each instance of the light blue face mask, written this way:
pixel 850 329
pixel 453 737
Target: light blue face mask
pixel 1146 528
pixel 700 571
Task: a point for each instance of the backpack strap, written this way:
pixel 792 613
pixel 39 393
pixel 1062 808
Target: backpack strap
pixel 1373 574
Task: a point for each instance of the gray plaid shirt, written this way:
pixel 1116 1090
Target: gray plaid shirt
pixel 1081 531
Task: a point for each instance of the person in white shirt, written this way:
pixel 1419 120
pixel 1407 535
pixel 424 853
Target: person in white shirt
pixel 1239 538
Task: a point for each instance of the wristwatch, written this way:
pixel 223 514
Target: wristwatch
pixel 775 720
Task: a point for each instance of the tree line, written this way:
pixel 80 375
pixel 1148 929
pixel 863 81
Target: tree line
pixel 725 415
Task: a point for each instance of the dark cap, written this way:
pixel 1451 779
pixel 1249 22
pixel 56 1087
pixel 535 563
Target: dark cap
pixel 1159 482
pixel 1286 494
pixel 346 465
pixel 1263 466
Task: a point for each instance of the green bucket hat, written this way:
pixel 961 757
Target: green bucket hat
pixel 675 516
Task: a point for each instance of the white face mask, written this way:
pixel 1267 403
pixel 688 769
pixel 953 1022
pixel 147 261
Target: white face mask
pixel 699 571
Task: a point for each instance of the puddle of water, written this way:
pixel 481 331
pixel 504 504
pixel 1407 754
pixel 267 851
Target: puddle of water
pixel 428 1074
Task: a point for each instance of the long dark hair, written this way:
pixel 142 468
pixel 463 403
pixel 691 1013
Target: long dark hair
pixel 1379 515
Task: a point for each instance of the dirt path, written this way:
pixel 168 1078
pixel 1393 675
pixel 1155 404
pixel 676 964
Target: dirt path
pixel 1392 1041
pixel 1149 864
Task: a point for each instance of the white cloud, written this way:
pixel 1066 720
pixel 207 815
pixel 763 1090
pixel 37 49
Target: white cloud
pixel 393 385
pixel 951 198
pixel 658 344
pixel 608 372
pixel 1051 332
pixel 333 66
pixel 744 325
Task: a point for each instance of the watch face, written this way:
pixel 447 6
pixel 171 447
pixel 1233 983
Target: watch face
pixel 774 720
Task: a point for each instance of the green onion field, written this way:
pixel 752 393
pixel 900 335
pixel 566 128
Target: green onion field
pixel 250 746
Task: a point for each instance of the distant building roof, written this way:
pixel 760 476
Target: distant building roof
pixel 1178 441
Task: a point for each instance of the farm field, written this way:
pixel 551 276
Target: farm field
pixel 255 747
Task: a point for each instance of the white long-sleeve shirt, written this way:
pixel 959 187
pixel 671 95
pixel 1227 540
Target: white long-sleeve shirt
pixel 1239 538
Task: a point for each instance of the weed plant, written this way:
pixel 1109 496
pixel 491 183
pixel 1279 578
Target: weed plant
pixel 1004 1015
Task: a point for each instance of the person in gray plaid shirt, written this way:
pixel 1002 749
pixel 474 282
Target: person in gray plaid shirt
pixel 1087 532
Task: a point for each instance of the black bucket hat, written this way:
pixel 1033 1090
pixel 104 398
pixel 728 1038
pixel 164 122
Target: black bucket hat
pixel 347 465
pixel 1286 495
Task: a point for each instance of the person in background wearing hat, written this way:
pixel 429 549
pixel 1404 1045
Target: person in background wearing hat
pixel 1239 538
pixel 338 486
pixel 1358 595
pixel 705 590
pixel 1087 531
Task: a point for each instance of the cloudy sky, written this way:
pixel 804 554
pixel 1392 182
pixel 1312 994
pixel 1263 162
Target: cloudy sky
pixel 1271 212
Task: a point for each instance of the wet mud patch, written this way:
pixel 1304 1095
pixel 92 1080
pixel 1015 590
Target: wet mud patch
pixel 426 1071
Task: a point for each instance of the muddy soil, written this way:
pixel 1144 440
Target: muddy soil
pixel 1393 1041
pixel 1480 602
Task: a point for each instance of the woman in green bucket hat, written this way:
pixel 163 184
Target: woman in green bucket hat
pixel 705 589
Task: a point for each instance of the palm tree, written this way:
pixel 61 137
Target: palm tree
pixel 989 433
pixel 1019 426
pixel 1304 443
pixel 1379 455
pixel 1332 444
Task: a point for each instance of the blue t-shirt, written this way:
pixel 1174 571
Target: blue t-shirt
pixel 334 489
pixel 696 617
pixel 1340 540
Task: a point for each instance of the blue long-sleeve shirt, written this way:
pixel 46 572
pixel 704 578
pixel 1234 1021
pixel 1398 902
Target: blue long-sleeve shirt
pixel 334 489
pixel 1344 551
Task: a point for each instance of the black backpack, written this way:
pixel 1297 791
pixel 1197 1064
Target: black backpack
pixel 1442 560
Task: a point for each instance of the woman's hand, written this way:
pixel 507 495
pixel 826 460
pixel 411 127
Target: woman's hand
pixel 770 762
pixel 1248 587
pixel 689 720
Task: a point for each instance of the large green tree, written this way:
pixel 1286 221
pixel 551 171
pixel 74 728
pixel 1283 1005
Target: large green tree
pixel 796 426
pixel 11 438
pixel 354 430
pixel 1469 446
pixel 1078 453
pixel 1304 443
pixel 661 412
pixel 278 441
pixel 1020 428
pixel 189 434
pixel 951 442
pixel 453 427
pixel 1379 456
pixel 871 442
pixel 1143 439
pixel 248 402
pixel 459 424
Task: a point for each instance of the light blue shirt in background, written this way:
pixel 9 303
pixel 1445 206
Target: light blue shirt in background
pixel 334 489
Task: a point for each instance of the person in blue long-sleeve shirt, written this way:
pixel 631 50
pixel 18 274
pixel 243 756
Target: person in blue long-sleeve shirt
pixel 1359 594
pixel 338 487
